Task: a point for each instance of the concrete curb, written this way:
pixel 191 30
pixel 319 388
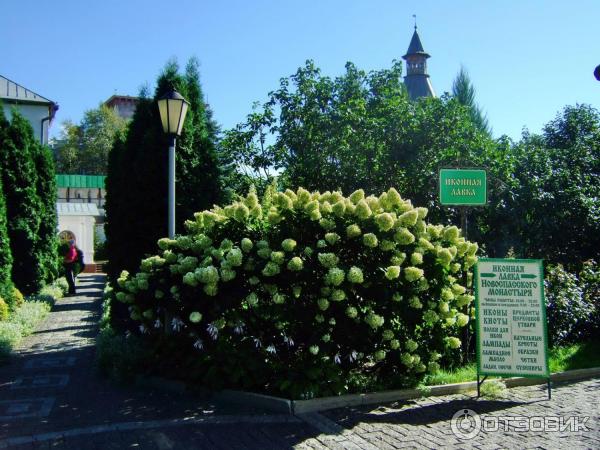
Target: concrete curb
pixel 271 403
pixel 282 405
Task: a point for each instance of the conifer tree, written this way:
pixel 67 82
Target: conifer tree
pixel 464 91
pixel 200 172
pixel 136 184
pixel 46 191
pixel 5 253
pixel 23 206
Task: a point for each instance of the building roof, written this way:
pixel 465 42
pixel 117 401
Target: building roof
pixel 415 47
pixel 80 181
pixel 14 92
pixel 77 209
pixel 114 99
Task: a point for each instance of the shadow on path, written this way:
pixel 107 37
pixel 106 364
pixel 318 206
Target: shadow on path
pixel 51 386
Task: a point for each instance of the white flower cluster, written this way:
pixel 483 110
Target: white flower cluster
pixel 369 262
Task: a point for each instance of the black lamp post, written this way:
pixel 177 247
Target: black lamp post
pixel 172 108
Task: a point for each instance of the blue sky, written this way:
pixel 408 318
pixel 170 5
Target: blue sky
pixel 527 59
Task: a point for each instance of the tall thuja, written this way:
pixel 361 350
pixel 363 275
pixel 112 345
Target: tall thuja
pixel 5 253
pixel 23 206
pixel 136 203
pixel 46 190
pixel 198 171
pixel 136 196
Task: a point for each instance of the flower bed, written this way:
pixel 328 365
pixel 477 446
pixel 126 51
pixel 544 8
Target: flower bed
pixel 302 293
pixel 26 314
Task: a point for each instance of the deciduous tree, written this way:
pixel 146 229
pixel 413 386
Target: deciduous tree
pixel 83 148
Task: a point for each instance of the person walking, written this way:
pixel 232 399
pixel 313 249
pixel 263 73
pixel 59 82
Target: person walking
pixel 69 262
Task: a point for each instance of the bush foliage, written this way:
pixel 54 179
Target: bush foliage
pixel 298 294
pixel 573 303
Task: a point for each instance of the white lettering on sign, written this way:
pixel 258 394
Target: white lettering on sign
pixel 510 317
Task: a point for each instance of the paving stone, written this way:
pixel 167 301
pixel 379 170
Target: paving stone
pixel 90 413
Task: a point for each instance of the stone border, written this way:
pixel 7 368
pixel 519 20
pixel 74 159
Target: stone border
pixel 282 405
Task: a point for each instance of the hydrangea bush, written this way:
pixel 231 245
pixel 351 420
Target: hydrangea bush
pixel 295 294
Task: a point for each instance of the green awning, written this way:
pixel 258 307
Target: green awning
pixel 80 181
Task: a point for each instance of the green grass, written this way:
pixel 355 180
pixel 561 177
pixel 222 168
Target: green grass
pixel 458 375
pixel 570 357
pixel 576 356
pixel 24 319
pixel 21 323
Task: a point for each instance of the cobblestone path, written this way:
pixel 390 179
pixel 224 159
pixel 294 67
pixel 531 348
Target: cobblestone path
pixel 52 398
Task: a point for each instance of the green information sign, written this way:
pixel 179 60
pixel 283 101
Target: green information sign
pixel 512 337
pixel 467 187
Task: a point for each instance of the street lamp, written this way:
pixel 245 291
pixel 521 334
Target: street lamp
pixel 172 108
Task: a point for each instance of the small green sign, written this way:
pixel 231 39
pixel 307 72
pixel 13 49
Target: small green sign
pixel 467 187
pixel 512 336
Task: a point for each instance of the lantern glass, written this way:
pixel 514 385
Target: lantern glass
pixel 172 108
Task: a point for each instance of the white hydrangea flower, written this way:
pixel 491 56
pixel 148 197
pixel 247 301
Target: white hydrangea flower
pixel 337 359
pixel 199 345
pixel 157 323
pixel 213 331
pixel 257 343
pixel 143 329
pixel 176 324
pixel 271 349
pixel 288 340
pixel 239 328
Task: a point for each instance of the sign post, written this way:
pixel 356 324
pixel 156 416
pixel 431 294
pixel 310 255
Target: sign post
pixel 512 336
pixel 463 188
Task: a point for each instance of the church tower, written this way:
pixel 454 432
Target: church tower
pixel 417 79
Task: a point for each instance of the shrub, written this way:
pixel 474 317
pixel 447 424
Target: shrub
pixel 120 357
pixel 62 284
pixel 12 296
pixel 30 314
pixel 297 294
pixel 10 335
pixel 494 389
pixel 3 310
pixel 590 282
pixel 53 291
pixel 569 315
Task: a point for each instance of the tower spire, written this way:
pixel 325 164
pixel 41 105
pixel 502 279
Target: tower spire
pixel 417 79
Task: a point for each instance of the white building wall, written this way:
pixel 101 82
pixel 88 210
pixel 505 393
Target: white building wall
pixel 34 114
pixel 83 229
